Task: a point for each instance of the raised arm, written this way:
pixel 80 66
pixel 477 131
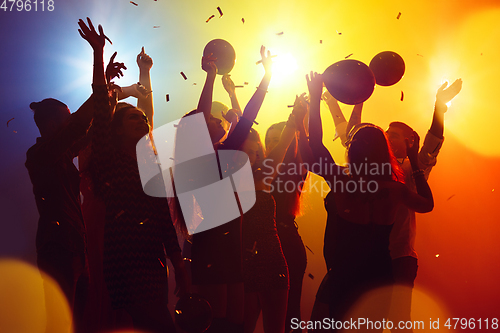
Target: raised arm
pixel 443 96
pixel 254 104
pixel 319 151
pixel 205 102
pixel 145 103
pixel 236 139
pixel 101 142
pixel 300 110
pixel 422 201
pixel 231 90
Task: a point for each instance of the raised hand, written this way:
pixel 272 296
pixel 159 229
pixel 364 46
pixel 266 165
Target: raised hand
pixel 300 108
pixel 228 84
pixel 314 84
pixel 446 93
pixel 114 69
pixel 144 61
pixel 208 64
pixel 266 60
pixel 412 151
pixel 95 40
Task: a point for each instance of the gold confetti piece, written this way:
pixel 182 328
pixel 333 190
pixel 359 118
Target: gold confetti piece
pixel 156 27
pixel 311 276
pixel 321 41
pixel 450 197
pixel 307 247
pixel 245 83
pixel 339 33
pixel 493 190
pixel 43 199
pixel 349 55
pixel 15 132
pixel 194 84
pixel 178 312
pixel 280 33
pixel 399 15
pixel 220 12
pixel 419 55
pixel 134 3
pixel 188 259
pixel 437 255
pixel 167 98
pixel 226 233
pixel 211 17
pixel 9 121
pixel 243 20
pixel 142 222
pixel 402 95
pixel 184 76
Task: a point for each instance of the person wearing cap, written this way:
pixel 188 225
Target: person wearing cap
pixel 61 236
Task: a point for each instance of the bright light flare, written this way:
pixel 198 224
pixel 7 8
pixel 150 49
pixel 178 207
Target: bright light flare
pixel 284 65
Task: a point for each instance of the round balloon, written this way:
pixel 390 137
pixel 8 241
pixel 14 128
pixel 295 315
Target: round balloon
pixel 193 313
pixel 388 68
pixel 349 81
pixel 224 52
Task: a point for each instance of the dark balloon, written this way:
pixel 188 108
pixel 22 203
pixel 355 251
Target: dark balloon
pixel 388 68
pixel 349 81
pixel 193 313
pixel 224 53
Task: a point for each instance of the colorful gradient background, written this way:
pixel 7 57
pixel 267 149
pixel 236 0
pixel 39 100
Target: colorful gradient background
pixel 42 55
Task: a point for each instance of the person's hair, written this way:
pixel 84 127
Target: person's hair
pixel 47 110
pixel 407 130
pixel 369 149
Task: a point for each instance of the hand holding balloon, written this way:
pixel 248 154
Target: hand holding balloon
pixel 208 64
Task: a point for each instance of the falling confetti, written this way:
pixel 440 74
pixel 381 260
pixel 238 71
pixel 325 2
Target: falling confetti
pixel 238 86
pixel 243 20
pixel 245 83
pixel 311 276
pixel 194 83
pixel 349 55
pixel 220 12
pixel 399 15
pixel 256 123
pixel 290 106
pixel 419 55
pixel 437 255
pixel 402 95
pixel 280 33
pixel 9 121
pixel 15 132
pixel 156 26
pixel 167 97
pixel 307 247
pixel 450 197
pixel 162 265
pixel 134 3
pixel 321 41
pixel 338 33
pixel 184 76
pixel 211 17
